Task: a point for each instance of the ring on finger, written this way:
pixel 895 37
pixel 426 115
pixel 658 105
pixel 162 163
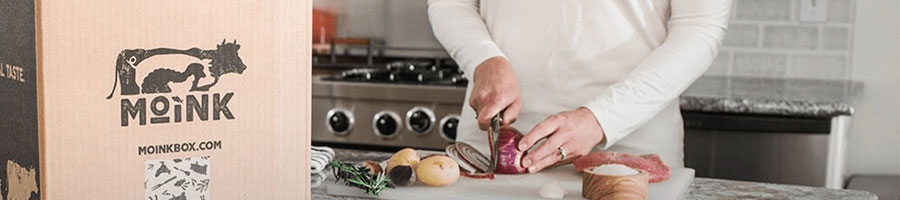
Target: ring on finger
pixel 562 153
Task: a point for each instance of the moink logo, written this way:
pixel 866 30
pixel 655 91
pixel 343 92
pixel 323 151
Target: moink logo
pixel 166 108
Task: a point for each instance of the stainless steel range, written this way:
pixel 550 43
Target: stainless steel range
pixel 402 104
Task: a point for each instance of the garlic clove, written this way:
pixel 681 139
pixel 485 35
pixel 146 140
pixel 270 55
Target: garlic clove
pixel 552 190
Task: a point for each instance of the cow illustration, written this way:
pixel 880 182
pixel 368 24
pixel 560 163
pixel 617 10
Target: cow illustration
pixel 158 80
pixel 223 60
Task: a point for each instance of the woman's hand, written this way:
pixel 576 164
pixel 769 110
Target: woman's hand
pixel 575 131
pixel 496 89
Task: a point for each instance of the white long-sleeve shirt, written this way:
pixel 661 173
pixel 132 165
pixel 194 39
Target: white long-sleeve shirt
pixel 625 60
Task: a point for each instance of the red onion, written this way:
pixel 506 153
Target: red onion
pixel 509 161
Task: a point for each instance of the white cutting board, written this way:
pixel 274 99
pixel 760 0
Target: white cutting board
pixel 513 187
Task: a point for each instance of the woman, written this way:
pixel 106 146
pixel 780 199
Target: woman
pixel 585 74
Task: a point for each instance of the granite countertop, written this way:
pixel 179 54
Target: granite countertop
pixel 700 188
pixel 771 96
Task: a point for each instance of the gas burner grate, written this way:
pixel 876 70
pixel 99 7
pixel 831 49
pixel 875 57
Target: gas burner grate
pixel 414 72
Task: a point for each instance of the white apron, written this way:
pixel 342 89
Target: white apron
pixel 565 53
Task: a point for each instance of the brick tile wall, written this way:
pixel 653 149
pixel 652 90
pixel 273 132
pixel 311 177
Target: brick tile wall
pixel 765 38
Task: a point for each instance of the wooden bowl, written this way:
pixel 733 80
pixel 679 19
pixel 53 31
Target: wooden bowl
pixel 600 186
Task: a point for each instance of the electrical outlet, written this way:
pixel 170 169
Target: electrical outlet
pixel 813 10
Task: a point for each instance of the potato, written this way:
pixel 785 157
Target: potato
pixel 406 156
pixel 438 171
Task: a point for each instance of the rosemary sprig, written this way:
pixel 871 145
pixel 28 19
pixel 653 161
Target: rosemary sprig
pixel 360 177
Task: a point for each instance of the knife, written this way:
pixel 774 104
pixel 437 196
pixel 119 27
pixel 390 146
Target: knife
pixel 494 133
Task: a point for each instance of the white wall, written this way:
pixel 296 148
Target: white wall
pixel 874 146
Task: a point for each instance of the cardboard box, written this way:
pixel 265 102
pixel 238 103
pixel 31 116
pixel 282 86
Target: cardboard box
pixel 138 99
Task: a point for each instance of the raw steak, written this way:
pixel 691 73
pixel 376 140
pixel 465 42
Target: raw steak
pixel 651 163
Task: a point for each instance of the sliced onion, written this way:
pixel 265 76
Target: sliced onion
pixel 473 157
pixel 453 153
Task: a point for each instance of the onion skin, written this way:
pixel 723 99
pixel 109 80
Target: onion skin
pixel 509 161
pixel 477 176
pixel 374 167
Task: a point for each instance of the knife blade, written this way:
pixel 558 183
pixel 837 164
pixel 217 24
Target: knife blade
pixel 494 133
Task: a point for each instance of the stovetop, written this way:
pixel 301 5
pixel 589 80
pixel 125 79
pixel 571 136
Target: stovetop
pixel 402 102
pixel 440 72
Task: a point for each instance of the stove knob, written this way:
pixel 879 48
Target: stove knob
pixel 448 127
pixel 386 124
pixel 420 120
pixel 340 121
